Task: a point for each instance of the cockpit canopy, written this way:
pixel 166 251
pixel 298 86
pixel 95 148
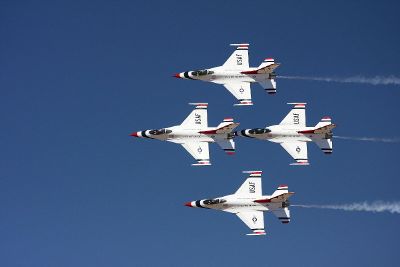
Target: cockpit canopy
pixel 214 201
pixel 160 131
pixel 259 131
pixel 201 72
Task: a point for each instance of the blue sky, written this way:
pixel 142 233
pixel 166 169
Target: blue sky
pixel 77 77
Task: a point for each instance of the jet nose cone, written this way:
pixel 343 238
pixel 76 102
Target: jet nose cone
pixel 178 75
pixel 188 204
pixel 134 134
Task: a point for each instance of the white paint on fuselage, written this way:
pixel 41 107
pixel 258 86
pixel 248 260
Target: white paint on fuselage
pixel 178 133
pixel 222 76
pixel 280 133
pixel 235 204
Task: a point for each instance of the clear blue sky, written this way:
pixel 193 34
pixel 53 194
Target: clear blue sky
pixel 77 77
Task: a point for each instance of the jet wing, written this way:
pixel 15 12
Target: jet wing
pixel 197 119
pixel 239 59
pixel 282 214
pixel 242 92
pixel 198 150
pixel 254 220
pixel 296 118
pixel 298 150
pixel 251 188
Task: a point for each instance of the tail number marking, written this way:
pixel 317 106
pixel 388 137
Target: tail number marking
pixel 252 187
pixel 197 118
pixel 239 59
pixel 296 118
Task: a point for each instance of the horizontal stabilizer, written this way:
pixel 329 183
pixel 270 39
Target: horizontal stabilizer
pixel 228 145
pixel 282 214
pixel 326 145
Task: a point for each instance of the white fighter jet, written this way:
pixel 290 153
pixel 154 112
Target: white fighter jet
pixel 293 134
pixel 194 134
pixel 236 75
pixel 248 203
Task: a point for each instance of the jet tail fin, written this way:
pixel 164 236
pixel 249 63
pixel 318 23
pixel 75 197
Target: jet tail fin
pixel 266 67
pixel 226 126
pixel 324 123
pixel 325 126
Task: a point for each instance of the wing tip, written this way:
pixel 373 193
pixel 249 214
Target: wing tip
pixel 298 105
pixel 240 44
pixel 254 173
pixel 257 232
pixel 202 163
pixel 244 102
pixel 300 163
pixel 199 105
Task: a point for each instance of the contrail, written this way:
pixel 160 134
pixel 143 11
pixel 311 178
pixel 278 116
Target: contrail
pixel 376 206
pixel 371 139
pixel 377 80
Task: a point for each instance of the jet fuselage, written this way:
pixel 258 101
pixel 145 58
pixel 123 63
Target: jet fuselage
pixel 222 76
pixel 277 133
pixel 177 133
pixel 232 203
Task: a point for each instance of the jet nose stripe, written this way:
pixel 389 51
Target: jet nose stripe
pixel 197 203
pixel 243 132
pixel 186 75
pixel 143 133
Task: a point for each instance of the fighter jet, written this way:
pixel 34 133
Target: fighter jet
pixel 293 135
pixel 236 75
pixel 194 134
pixel 248 203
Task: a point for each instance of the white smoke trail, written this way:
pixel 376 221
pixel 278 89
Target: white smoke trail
pixel 376 206
pixel 377 80
pixel 371 139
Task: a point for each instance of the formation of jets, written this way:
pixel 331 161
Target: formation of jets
pixel 248 203
pixel 236 75
pixel 291 133
pixel 194 134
